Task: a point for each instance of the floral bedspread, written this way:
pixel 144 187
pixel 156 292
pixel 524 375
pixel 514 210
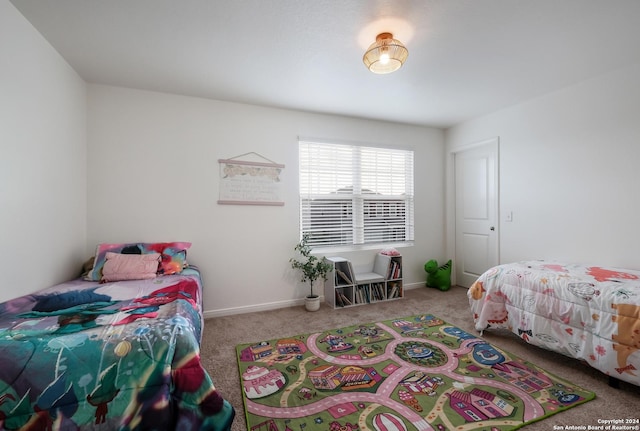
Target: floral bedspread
pixel 125 355
pixel 590 313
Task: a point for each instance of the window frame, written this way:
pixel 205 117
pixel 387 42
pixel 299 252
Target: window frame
pixel 359 198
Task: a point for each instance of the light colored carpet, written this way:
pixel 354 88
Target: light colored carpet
pixel 222 334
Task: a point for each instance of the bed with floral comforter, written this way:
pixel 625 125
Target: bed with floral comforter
pixel 591 313
pixel 116 356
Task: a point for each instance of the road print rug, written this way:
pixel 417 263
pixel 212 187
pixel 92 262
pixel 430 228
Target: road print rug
pixel 412 373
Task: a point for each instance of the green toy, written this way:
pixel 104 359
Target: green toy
pixel 438 276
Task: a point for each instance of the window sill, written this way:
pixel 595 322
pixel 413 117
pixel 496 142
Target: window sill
pixel 360 247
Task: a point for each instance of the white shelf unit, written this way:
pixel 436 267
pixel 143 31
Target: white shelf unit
pixel 346 288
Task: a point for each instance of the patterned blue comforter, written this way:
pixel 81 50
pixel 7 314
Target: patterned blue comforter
pixel 126 355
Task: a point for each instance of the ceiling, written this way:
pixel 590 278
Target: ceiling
pixel 466 57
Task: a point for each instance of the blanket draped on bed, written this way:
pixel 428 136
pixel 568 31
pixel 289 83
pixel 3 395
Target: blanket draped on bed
pixel 586 312
pixel 125 355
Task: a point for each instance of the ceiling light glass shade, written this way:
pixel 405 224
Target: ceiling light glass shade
pixel 385 55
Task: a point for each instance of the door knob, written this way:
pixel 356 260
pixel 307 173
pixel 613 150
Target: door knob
pixel 492 228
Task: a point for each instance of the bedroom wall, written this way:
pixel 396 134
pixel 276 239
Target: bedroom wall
pixel 153 175
pixel 568 172
pixel 43 162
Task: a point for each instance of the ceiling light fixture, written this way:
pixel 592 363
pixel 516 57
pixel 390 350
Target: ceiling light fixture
pixel 385 55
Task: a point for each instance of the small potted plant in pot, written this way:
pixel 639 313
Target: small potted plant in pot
pixel 312 269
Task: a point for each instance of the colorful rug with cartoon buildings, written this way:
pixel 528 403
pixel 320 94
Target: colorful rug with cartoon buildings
pixel 413 373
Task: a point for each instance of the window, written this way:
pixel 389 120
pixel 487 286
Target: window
pixel 355 195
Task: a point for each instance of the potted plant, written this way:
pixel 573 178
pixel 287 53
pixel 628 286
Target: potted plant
pixel 312 268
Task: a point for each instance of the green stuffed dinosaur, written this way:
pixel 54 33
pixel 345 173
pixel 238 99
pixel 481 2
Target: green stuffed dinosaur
pixel 438 276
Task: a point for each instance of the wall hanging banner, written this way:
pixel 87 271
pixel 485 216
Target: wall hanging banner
pixel 244 182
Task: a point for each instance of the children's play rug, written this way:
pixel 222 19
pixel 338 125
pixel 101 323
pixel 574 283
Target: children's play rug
pixel 413 373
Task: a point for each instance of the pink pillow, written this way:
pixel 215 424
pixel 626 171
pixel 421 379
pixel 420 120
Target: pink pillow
pixel 120 267
pixel 174 256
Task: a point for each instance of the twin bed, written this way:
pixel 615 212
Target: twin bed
pixel 590 313
pixel 111 352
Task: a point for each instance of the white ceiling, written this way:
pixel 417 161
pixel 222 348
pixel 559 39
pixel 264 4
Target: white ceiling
pixel 466 57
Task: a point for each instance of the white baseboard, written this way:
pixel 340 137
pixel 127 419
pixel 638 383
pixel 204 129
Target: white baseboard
pixel 253 308
pixel 274 305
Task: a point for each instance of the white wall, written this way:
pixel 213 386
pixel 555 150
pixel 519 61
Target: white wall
pixel 568 164
pixel 569 171
pixel 42 160
pixel 153 175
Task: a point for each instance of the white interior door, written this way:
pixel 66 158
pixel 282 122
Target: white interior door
pixel 476 190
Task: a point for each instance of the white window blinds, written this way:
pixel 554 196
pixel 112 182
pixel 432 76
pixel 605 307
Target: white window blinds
pixel 352 194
